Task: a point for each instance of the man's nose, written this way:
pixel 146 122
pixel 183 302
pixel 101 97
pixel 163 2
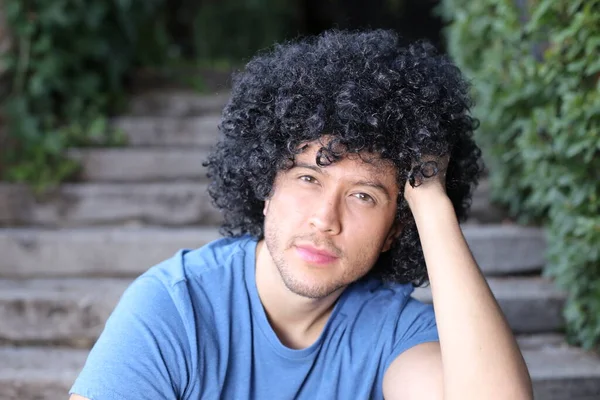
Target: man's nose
pixel 326 215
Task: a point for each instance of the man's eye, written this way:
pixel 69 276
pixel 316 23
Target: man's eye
pixel 308 179
pixel 364 197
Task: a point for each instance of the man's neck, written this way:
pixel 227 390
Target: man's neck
pixel 298 321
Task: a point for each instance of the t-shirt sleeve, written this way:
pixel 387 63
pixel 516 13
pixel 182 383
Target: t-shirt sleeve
pixel 141 354
pixel 416 325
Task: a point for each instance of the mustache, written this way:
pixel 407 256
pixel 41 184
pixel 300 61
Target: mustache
pixel 314 241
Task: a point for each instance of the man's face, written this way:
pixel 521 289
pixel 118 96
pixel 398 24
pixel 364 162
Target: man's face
pixel 326 227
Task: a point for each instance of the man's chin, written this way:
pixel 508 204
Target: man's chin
pixel 310 289
pixel 310 293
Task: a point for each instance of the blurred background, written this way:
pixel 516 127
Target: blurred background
pixel 108 109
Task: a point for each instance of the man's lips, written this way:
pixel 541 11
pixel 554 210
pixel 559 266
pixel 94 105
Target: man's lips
pixel 314 255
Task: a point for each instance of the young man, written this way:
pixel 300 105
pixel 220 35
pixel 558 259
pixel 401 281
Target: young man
pixel 344 166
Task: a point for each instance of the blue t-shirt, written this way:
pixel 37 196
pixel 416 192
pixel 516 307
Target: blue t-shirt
pixel 193 327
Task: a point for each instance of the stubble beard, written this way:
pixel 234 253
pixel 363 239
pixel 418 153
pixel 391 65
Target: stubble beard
pixel 276 248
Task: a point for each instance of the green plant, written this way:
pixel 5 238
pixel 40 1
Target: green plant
pixel 69 61
pixel 250 26
pixel 535 70
pixel 72 59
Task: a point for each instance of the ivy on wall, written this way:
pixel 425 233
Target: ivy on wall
pixel 536 78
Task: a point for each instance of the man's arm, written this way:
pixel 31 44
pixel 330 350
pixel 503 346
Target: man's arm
pixel 77 397
pixel 416 374
pixel 478 356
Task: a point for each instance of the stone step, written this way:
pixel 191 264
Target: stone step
pixel 531 305
pixel 153 131
pixel 558 371
pixel 73 311
pixel 506 249
pixel 141 164
pixel 93 252
pixel 167 203
pixel 482 211
pixel 177 103
pixel 127 252
pixel 57 311
pixel 161 203
pixel 38 373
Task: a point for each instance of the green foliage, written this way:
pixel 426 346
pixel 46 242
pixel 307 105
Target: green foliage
pixel 71 60
pixel 68 64
pixel 254 25
pixel 536 76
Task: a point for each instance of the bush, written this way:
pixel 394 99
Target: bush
pixel 67 68
pixel 255 25
pixel 536 75
pixel 71 61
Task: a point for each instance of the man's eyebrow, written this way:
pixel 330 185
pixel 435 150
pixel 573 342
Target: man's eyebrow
pixel 315 168
pixel 375 184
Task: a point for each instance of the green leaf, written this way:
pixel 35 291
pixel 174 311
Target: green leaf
pixel 540 130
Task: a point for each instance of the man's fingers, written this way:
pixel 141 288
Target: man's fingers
pixel 428 168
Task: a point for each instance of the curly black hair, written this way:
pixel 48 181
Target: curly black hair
pixel 368 92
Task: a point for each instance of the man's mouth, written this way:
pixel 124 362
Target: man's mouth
pixel 315 255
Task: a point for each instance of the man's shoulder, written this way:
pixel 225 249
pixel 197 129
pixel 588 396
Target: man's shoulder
pixel 374 292
pixel 388 308
pixel 383 302
pixel 185 264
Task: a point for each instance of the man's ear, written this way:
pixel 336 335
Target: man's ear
pixel 266 207
pixel 393 234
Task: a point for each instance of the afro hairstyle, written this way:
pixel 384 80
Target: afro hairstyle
pixel 367 92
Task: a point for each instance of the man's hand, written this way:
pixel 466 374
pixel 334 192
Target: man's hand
pixel 426 181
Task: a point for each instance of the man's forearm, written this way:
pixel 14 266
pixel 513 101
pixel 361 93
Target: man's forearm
pixel 481 359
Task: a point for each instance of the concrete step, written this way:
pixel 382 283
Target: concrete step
pixel 57 311
pixel 174 203
pixel 531 305
pixel 93 252
pixel 161 203
pixel 73 311
pixel 177 103
pixel 127 252
pixel 38 373
pixel 155 131
pixel 506 249
pixel 141 164
pixel 482 211
pixel 558 371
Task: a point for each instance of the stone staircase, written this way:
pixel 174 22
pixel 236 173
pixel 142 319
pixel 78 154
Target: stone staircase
pixel 66 257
